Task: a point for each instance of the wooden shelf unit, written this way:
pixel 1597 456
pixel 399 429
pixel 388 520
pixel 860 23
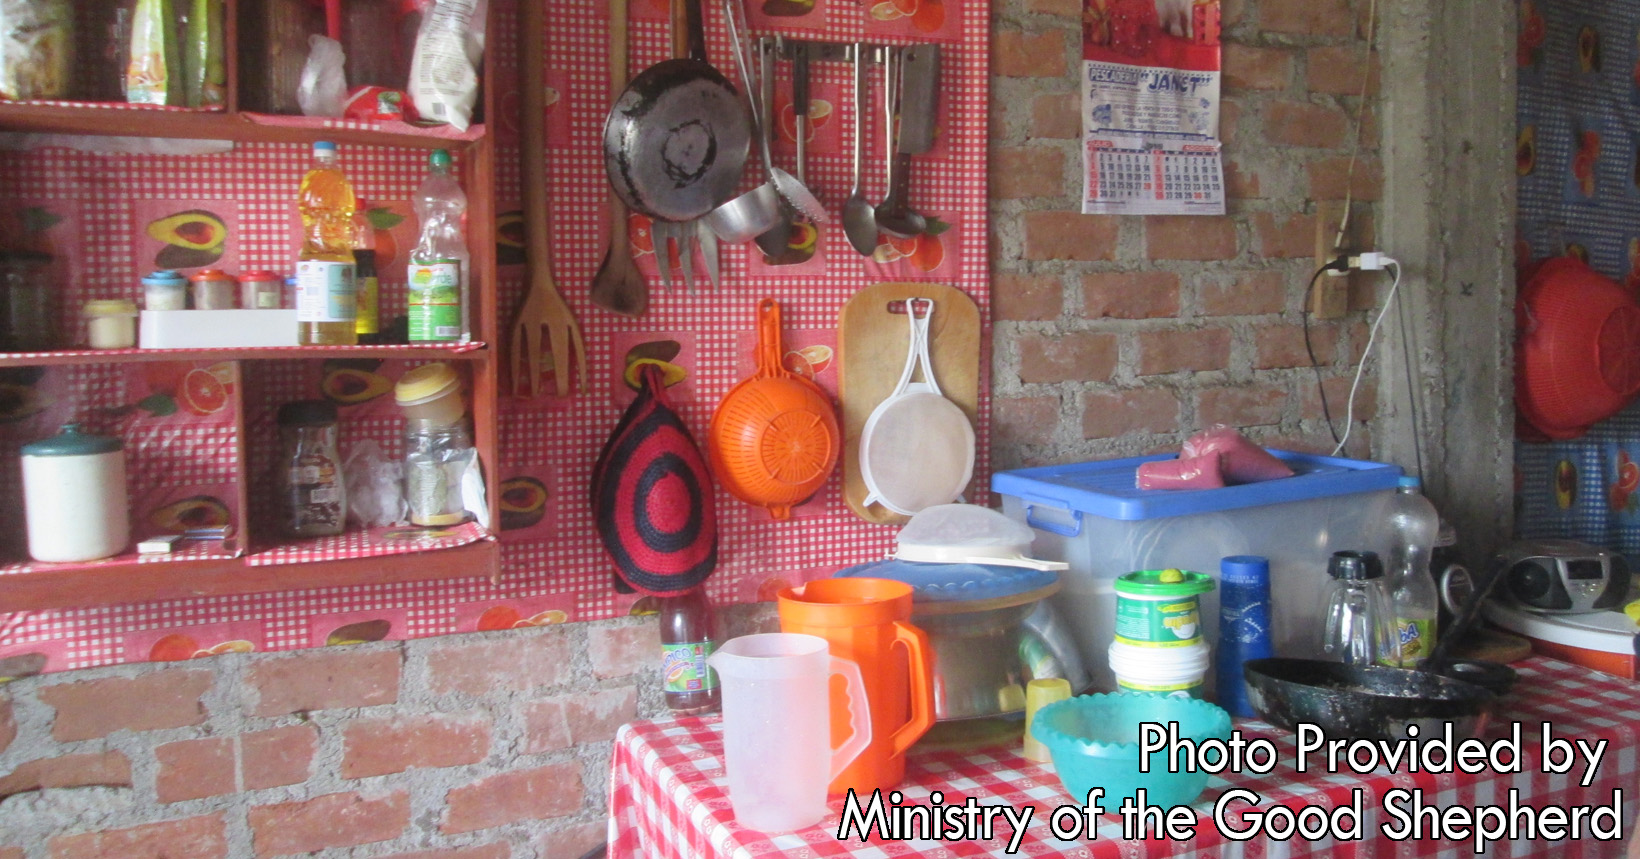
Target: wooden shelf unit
pixel 70 586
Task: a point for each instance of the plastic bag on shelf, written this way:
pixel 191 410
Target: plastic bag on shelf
pixel 449 52
pixel 375 486
pixel 323 91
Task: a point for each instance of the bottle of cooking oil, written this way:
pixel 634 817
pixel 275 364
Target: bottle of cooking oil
pixel 326 288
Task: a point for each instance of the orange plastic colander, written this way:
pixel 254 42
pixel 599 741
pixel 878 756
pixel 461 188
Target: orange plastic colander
pixel 1578 348
pixel 774 440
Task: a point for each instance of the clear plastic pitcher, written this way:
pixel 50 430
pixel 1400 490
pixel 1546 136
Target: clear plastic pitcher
pixel 777 727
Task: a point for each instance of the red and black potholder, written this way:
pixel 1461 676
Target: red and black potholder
pixel 652 497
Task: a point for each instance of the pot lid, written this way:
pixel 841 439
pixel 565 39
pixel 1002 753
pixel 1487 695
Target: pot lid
pixel 72 442
pixel 996 586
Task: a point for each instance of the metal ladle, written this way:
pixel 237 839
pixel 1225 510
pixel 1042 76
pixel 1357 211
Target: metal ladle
pixel 757 210
pixel 859 218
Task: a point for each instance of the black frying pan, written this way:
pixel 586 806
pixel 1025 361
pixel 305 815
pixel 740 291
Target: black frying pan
pixel 1374 702
pixel 676 139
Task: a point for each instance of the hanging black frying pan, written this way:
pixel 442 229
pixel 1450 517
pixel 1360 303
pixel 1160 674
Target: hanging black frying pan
pixel 676 139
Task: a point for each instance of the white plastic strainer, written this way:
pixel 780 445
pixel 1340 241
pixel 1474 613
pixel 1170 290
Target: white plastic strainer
pixel 917 447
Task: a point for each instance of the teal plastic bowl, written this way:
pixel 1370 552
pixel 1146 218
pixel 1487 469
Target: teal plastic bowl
pixel 1094 741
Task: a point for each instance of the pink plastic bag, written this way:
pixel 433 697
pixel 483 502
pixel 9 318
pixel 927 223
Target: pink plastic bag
pixel 1193 472
pixel 1244 461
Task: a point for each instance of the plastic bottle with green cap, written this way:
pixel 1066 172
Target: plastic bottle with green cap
pixel 439 265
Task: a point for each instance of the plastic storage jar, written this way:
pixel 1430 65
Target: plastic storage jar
pixel 111 324
pixel 214 290
pixel 261 290
pixel 1160 608
pixel 74 497
pixel 165 290
pixel 1176 671
pixel 431 393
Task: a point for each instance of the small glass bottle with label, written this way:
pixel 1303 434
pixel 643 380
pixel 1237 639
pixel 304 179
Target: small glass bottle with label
pixel 311 470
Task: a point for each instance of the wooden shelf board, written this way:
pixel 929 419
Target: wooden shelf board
pixel 474 351
pixel 71 586
pixel 239 127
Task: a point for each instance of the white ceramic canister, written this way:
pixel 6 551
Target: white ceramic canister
pixel 74 497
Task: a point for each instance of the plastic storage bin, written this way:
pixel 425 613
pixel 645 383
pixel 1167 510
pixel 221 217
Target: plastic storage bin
pixel 1091 516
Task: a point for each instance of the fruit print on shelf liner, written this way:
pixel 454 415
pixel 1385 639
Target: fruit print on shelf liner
pixel 556 567
pixel 790 14
pixel 932 255
pixel 672 351
pixel 529 504
pixel 490 615
pixel 357 627
pixel 826 102
pixel 186 235
pixel 180 644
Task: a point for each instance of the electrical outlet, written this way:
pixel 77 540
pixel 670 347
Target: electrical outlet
pixel 1330 298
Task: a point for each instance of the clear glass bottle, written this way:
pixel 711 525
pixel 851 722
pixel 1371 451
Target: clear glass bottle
pixel 1359 626
pixel 688 637
pixel 311 470
pixel 326 288
pixel 439 264
pixel 1415 527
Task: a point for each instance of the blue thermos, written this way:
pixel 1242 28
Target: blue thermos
pixel 1244 626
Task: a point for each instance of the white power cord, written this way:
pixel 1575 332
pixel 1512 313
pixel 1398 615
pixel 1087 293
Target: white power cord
pixel 1368 262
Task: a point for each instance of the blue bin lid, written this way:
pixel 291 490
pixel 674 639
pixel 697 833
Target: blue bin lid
pixel 1107 488
pixel 955 582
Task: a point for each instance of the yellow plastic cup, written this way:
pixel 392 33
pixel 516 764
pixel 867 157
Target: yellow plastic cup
pixel 1039 694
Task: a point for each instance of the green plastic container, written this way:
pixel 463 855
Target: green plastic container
pixel 1160 608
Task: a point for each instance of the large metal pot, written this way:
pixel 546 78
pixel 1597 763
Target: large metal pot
pixel 990 630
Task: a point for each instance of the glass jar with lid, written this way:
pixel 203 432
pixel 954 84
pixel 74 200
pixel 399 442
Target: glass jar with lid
pixel 436 460
pixel 28 317
pixel 315 498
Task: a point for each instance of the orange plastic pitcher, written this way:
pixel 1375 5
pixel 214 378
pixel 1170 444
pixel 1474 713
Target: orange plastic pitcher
pixel 866 621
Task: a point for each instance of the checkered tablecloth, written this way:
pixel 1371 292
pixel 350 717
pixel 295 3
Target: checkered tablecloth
pixel 668 790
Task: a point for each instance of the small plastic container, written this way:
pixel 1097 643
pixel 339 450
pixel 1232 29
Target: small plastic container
pixel 261 290
pixel 111 324
pixel 214 290
pixel 1173 671
pixel 165 290
pixel 431 393
pixel 1160 608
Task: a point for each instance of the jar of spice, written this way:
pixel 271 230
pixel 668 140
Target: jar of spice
pixel 165 290
pixel 311 479
pixel 214 290
pixel 111 324
pixel 28 321
pixel 261 290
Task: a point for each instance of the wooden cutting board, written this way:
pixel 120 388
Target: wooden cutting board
pixel 873 337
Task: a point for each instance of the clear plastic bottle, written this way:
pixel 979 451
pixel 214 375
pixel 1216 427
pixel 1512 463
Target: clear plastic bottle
pixel 1414 528
pixel 439 265
pixel 326 288
pixel 688 637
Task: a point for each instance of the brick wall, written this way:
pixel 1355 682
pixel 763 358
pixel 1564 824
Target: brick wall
pixel 1113 336
pixel 487 746
pixel 1121 335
